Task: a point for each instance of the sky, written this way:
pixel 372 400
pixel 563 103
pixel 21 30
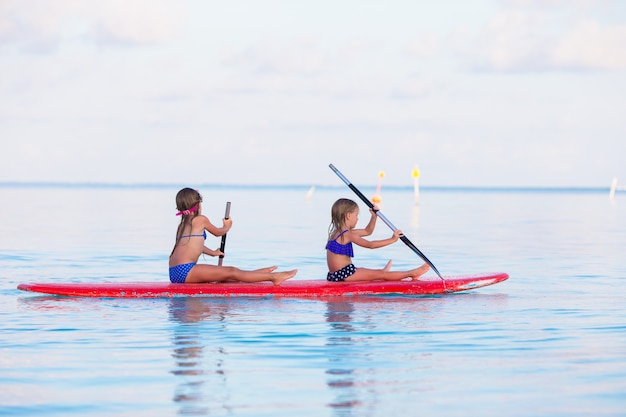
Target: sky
pixel 473 93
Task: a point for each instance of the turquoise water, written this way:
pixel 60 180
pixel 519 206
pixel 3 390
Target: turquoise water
pixel 550 341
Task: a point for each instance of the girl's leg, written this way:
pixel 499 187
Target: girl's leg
pixel 364 274
pixel 213 273
pixel 269 269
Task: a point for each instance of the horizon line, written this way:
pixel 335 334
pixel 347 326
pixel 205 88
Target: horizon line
pixel 100 184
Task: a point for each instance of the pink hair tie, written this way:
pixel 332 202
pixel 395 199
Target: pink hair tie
pixel 186 212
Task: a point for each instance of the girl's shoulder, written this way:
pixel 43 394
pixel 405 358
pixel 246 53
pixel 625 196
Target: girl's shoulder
pixel 200 219
pixel 345 233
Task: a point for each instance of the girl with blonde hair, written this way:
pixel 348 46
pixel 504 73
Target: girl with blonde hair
pixel 339 251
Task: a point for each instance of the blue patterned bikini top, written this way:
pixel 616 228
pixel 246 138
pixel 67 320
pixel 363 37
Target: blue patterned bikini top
pixel 340 249
pixel 202 235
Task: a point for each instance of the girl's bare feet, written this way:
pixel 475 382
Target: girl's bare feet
pixel 279 277
pixel 418 272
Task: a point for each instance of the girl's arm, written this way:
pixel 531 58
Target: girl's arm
pixel 369 229
pixel 374 244
pixel 211 228
pixel 211 252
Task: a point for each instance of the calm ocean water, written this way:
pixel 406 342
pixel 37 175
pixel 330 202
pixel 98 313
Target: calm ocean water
pixel 550 341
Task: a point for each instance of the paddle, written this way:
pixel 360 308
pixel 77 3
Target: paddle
pixel 223 244
pixel 384 219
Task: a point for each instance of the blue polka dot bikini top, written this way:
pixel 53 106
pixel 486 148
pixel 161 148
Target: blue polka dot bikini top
pixel 340 249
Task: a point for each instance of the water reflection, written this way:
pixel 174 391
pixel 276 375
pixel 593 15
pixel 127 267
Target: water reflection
pixel 362 370
pixel 350 346
pixel 415 217
pixel 341 375
pixel 199 371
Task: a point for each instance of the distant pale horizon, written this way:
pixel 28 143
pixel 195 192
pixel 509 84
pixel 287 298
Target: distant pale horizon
pixel 370 188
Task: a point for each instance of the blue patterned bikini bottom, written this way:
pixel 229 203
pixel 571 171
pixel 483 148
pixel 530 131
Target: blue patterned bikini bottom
pixel 178 273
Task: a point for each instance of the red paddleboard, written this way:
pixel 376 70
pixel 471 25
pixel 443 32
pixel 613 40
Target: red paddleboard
pixel 290 288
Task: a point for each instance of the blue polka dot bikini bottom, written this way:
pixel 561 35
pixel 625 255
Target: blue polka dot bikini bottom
pixel 341 274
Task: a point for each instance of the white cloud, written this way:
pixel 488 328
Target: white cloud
pixel 414 87
pixel 512 41
pixel 518 41
pixel 591 46
pixel 41 25
pixel 424 45
pixel 302 57
pixel 134 22
pixel 544 4
pixel 550 35
pixel 305 66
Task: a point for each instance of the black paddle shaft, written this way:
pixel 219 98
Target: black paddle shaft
pixel 403 238
pixel 223 244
